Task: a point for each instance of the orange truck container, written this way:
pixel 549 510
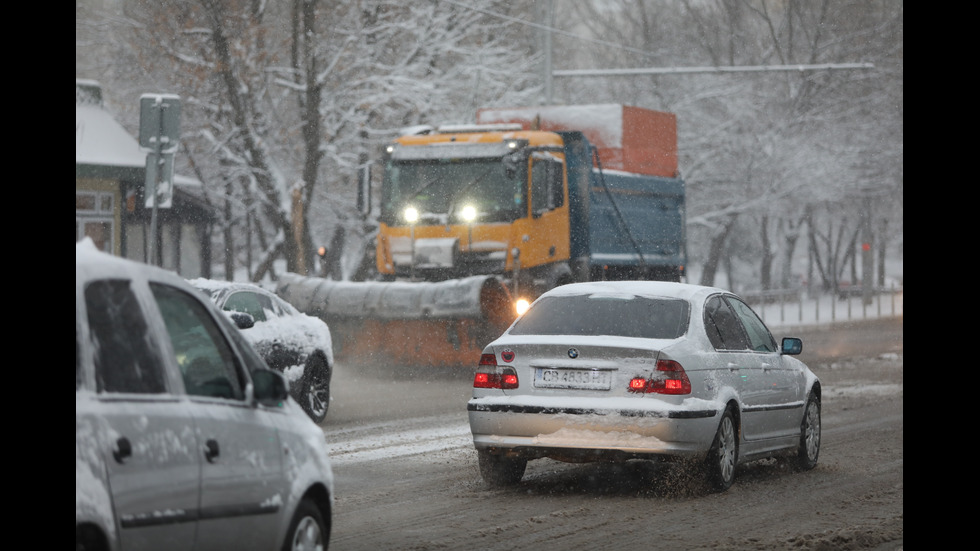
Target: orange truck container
pixel 631 139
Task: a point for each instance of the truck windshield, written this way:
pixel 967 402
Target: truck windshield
pixel 445 187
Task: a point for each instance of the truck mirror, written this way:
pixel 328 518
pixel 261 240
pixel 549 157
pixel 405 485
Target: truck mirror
pixel 512 163
pixel 364 190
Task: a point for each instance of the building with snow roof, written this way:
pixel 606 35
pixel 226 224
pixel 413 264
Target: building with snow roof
pixel 110 175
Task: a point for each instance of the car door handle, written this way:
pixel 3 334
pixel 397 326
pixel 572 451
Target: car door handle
pixel 211 450
pixel 123 449
pixel 732 367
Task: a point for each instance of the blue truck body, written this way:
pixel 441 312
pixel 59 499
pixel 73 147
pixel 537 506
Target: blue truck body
pixel 623 225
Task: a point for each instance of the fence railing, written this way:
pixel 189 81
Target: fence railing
pixel 780 308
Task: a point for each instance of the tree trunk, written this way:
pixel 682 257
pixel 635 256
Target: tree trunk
pixel 241 110
pixel 791 235
pixel 765 267
pixel 882 234
pixel 715 250
pixel 816 261
pixel 266 264
pixel 298 228
pixel 309 107
pixel 228 234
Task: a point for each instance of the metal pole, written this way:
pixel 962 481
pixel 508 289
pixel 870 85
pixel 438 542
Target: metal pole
pixel 703 70
pixel 158 151
pixel 550 20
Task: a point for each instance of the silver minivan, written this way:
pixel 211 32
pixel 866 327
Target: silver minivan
pixel 184 438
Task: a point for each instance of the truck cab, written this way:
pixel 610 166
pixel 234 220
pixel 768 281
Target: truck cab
pixel 473 200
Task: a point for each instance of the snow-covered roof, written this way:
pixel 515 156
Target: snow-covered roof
pixel 101 140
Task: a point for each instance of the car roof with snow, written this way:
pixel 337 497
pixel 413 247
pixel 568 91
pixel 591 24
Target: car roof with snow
pixel 667 289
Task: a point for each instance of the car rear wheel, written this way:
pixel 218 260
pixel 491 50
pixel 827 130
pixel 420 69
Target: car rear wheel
pixel 316 389
pixel 723 455
pixel 809 449
pixel 498 470
pixel 308 530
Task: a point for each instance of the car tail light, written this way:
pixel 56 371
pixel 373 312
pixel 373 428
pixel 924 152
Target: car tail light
pixel 669 379
pixel 490 375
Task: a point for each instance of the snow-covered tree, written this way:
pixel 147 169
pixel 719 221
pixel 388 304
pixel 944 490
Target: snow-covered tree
pixel 284 102
pixel 761 149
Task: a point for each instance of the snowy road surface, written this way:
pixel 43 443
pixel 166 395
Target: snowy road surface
pixel 407 478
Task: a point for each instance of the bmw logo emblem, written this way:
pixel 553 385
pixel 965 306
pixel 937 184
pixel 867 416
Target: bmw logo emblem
pixel 572 353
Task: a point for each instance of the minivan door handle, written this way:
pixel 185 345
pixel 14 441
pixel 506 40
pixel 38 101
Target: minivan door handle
pixel 211 450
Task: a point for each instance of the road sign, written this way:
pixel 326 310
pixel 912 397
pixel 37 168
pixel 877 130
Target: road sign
pixel 159 121
pixel 159 135
pixel 159 180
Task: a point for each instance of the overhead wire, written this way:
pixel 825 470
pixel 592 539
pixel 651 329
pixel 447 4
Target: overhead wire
pixel 548 28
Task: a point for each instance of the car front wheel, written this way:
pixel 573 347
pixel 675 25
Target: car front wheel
pixel 723 455
pixel 308 530
pixel 809 449
pixel 498 470
pixel 316 389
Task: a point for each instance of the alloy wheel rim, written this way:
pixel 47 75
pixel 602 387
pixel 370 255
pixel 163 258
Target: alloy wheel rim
pixel 726 449
pixel 307 536
pixel 812 431
pixel 318 395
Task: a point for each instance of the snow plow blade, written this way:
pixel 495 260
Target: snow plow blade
pixel 402 324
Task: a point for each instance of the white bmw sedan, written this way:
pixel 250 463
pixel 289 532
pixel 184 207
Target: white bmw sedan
pixel 610 371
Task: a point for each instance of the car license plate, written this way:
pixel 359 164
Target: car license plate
pixel 585 379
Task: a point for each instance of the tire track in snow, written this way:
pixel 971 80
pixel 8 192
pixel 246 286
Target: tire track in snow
pixel 397 439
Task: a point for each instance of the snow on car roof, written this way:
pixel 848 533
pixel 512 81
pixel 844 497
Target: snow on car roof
pixel 214 286
pixel 91 262
pixel 670 289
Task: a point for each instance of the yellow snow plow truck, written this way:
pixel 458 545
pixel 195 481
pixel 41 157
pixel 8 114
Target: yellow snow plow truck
pixel 477 219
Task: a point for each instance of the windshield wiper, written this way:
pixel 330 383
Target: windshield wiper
pixel 472 183
pixel 424 187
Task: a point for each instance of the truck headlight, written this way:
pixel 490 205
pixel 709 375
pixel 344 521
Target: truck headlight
pixel 411 215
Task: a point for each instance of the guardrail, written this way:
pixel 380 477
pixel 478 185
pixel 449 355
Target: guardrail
pixel 782 308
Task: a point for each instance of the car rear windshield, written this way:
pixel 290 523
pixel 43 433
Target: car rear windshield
pixel 643 317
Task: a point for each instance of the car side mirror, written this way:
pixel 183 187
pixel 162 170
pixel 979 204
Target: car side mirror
pixel 792 346
pixel 242 320
pixel 269 388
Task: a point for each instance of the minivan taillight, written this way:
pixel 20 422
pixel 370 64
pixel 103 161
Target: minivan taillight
pixel 670 378
pixel 490 375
